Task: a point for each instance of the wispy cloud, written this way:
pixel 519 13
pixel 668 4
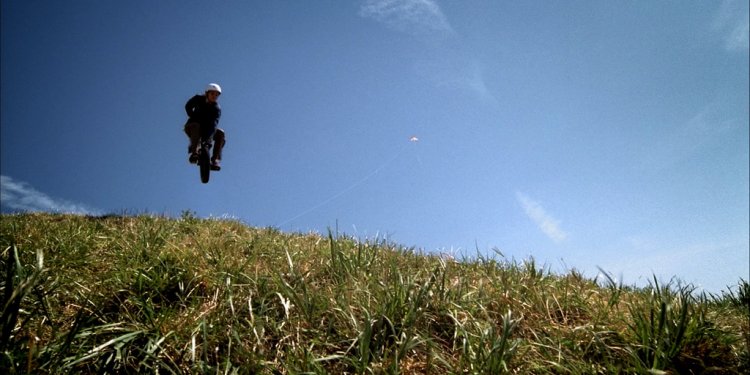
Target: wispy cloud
pixel 732 20
pixel 548 224
pixel 415 17
pixel 644 257
pixel 457 72
pixel 708 128
pixel 20 196
pixel 448 64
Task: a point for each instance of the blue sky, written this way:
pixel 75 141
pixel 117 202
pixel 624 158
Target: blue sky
pixel 584 134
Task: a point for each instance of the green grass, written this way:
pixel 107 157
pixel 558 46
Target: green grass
pixel 147 294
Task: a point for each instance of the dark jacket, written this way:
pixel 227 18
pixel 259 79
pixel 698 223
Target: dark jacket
pixel 201 111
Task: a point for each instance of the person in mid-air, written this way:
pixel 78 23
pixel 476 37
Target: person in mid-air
pixel 203 120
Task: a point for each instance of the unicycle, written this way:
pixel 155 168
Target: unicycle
pixel 204 160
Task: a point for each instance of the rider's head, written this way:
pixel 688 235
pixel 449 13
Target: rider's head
pixel 212 92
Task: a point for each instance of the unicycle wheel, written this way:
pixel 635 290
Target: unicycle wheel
pixel 204 163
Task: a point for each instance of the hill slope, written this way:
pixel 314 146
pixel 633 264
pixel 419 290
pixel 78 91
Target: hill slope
pixel 151 294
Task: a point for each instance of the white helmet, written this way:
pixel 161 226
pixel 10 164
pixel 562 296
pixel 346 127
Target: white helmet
pixel 213 87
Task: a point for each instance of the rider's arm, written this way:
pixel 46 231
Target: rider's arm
pixel 191 104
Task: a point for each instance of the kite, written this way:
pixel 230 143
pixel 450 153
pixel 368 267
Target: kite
pixel 413 139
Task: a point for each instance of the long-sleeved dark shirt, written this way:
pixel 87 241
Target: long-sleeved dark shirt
pixel 203 112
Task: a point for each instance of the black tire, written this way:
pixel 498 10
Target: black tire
pixel 205 164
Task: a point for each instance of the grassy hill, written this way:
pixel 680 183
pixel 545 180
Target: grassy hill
pixel 148 294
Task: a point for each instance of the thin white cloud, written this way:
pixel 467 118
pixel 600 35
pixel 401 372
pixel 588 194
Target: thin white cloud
pixel 20 196
pixel 548 224
pixel 732 20
pixel 414 17
pixel 644 257
pixel 457 72
pixel 449 65
pixel 708 128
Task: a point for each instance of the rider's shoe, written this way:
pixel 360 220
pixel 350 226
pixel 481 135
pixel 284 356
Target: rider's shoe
pixel 193 158
pixel 215 165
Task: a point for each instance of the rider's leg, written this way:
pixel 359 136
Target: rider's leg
pixel 219 142
pixel 193 131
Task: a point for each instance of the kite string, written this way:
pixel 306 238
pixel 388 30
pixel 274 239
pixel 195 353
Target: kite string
pixel 346 190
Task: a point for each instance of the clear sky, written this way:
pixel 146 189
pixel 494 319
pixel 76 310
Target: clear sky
pixel 580 133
